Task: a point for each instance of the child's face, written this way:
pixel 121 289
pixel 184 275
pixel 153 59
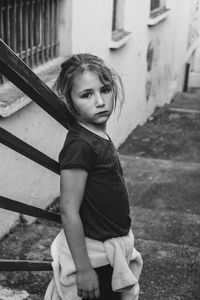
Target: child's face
pixel 92 99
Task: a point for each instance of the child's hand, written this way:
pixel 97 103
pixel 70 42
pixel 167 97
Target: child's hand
pixel 88 284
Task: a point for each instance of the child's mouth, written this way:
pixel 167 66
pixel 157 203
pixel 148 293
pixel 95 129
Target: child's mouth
pixel 105 112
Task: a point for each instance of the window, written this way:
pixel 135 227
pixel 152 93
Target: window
pixel 119 35
pixel 157 5
pixel 29 27
pixel 118 15
pixel 158 12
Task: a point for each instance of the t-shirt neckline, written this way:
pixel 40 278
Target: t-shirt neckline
pixel 92 132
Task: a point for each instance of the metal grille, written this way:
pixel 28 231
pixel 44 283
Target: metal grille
pixel 29 27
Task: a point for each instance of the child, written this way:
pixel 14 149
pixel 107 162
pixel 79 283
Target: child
pixel 94 255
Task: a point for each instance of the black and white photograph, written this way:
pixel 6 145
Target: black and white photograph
pixel 100 149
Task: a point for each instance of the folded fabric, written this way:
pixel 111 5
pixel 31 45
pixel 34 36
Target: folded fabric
pixel 118 252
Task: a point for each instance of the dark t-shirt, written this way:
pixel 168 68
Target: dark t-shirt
pixel 105 207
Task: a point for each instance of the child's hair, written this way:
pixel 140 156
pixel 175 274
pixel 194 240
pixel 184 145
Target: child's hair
pixel 76 65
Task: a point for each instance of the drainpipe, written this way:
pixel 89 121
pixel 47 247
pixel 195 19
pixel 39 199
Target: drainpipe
pixel 186 78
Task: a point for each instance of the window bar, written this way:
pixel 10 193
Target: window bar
pixel 52 24
pixel 42 30
pixel 31 34
pixel 26 4
pixel 20 28
pixel 1 32
pixel 1 20
pixel 34 22
pixel 47 29
pixel 14 25
pixel 55 22
pixel 37 31
pixel 8 22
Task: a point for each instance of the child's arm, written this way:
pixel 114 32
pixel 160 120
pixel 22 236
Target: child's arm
pixel 73 183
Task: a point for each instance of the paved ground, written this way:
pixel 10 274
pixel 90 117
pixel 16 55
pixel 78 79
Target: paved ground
pixel 161 162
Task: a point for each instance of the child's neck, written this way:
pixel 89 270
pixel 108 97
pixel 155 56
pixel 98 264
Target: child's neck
pixel 98 131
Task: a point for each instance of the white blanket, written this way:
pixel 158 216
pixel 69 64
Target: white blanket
pixel 118 252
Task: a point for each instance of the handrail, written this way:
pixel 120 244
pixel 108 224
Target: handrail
pixel 8 139
pixel 13 68
pixel 24 265
pixel 26 209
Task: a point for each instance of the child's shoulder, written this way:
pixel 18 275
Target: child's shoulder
pixel 76 140
pixel 81 140
pixel 77 150
pixel 78 135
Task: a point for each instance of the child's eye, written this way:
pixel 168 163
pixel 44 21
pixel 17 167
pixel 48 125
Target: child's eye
pixel 106 89
pixel 86 95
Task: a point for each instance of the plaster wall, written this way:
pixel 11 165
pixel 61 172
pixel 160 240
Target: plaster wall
pixel 151 67
pixel 91 26
pixel 130 62
pixel 180 47
pixel 92 34
pixel 160 83
pixel 20 178
pixel 185 44
pixel 64 23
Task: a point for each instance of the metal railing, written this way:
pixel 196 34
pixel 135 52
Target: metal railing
pixel 15 70
pixel 29 28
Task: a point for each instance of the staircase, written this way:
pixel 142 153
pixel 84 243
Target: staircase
pixel 161 162
pixel 162 169
pixel 188 102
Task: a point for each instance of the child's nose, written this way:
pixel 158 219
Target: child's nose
pixel 99 100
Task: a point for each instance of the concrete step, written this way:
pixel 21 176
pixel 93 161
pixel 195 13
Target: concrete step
pixel 170 271
pixel 166 226
pixel 162 185
pixel 194 79
pixel 165 209
pixel 194 90
pixel 185 102
pixel 164 198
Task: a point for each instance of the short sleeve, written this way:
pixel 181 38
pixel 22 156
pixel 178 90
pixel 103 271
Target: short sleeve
pixel 77 154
